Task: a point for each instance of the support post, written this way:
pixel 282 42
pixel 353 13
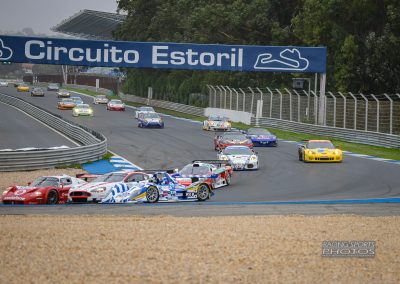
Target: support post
pixel 209 95
pixel 237 99
pixel 270 102
pixel 344 109
pixel 223 88
pixel 298 105
pixel 366 111
pixel 390 114
pixel 252 100
pixel 280 103
pixel 230 97
pixel 290 104
pixel 261 93
pixel 377 112
pixel 244 99
pixel 355 110
pixel 334 108
pixel 220 97
pixel 322 101
pixel 308 104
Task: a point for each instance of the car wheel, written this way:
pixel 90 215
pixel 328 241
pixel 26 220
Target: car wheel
pixel 52 197
pixel 152 194
pixel 203 192
pixel 228 179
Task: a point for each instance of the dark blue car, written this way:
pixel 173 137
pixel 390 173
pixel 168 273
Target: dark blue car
pixel 261 137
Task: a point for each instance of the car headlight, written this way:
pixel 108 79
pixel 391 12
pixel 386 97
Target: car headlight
pixel 309 152
pixel 38 193
pixel 99 190
pixel 146 121
pixel 228 124
pixel 337 152
pixel 253 158
pixel 223 157
pixel 90 111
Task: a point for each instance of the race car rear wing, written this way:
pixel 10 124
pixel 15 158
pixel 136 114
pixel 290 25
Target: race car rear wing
pixel 86 176
pixel 213 162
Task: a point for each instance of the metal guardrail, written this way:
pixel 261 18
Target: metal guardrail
pixel 164 104
pixel 94 144
pixel 351 135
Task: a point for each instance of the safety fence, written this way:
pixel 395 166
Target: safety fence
pixel 372 113
pixel 164 104
pixel 93 144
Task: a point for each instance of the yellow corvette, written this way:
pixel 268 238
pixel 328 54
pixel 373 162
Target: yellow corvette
pixel 319 151
pixel 22 88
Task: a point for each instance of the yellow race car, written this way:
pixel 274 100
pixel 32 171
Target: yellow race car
pixel 319 151
pixel 22 88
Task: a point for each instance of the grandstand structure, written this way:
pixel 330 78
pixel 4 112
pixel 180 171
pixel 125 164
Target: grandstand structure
pixel 90 24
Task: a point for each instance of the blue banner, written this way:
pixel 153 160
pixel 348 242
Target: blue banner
pixel 162 55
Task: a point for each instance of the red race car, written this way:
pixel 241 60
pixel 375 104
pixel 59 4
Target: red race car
pixel 215 173
pixel 225 139
pixel 44 190
pixel 116 105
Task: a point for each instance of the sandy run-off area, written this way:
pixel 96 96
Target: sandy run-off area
pixel 164 249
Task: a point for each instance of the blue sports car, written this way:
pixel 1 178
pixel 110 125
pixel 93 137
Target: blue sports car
pixel 261 137
pixel 150 119
pixel 161 187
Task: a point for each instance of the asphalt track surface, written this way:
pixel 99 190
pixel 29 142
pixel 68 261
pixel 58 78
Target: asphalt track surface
pixel 18 130
pixel 281 176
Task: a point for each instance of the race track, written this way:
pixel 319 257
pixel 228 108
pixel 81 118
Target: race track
pixel 281 176
pixel 19 130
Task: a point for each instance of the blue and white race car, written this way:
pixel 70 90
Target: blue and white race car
pixel 150 119
pixel 160 188
pixel 261 137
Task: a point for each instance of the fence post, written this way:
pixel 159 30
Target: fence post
pixel 290 104
pixel 298 105
pixel 244 99
pixel 334 108
pixel 223 88
pixel 252 100
pixel 230 97
pixel 280 103
pixel 270 105
pixel 220 97
pixel 377 112
pixel 366 111
pixel 237 99
pixel 390 114
pixel 308 104
pixel 344 109
pixel 209 95
pixel 355 110
pixel 261 93
pixel 214 104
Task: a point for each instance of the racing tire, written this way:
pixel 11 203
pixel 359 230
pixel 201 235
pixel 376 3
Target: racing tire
pixel 203 192
pixel 152 194
pixel 228 179
pixel 300 156
pixel 52 197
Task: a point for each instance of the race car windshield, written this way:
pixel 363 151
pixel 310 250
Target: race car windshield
pixel 234 137
pixel 218 118
pixel 314 145
pixel 190 170
pixel 112 177
pixel 83 106
pixel 151 115
pixel 146 109
pixel 116 102
pixel 258 131
pixel 37 89
pixel 67 101
pixel 101 96
pixel 238 151
pixel 45 181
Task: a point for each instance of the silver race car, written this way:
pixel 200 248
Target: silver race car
pixel 240 157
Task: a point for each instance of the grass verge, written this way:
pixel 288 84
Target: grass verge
pixel 88 92
pixel 388 153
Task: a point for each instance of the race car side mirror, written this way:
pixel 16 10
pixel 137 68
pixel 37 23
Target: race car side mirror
pixel 176 170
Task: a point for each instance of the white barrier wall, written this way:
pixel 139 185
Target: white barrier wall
pixel 233 115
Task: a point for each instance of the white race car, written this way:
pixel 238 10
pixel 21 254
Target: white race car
pixel 100 99
pixel 143 109
pixel 3 83
pixel 240 157
pixel 100 187
pixel 216 122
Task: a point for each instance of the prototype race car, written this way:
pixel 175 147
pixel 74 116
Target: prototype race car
pixel 319 151
pixel 37 92
pixel 53 87
pixel 150 119
pixel 213 172
pixel 63 94
pixel 221 141
pixel 161 187
pixel 100 187
pixel 261 137
pixel 100 99
pixel 216 122
pixel 44 190
pixel 116 105
pixel 240 157
pixel 82 110
pixel 66 104
pixel 22 88
pixel 77 100
pixel 143 109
